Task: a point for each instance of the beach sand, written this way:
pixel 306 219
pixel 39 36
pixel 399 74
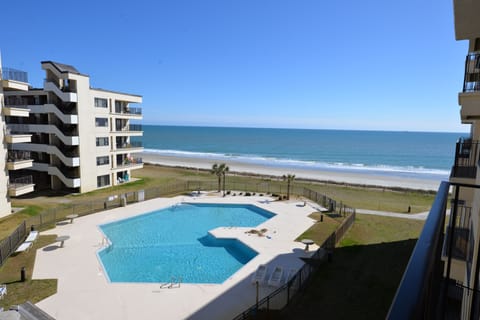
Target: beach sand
pixel 318 175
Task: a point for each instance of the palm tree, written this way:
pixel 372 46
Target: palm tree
pixel 218 171
pixel 289 178
pixel 224 171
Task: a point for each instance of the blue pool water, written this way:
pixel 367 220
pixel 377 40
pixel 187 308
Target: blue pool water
pixel 174 242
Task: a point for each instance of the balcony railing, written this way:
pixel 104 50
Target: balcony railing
pixel 18 155
pixel 471 82
pixel 466 159
pixel 130 110
pixel 129 145
pixel 427 289
pixel 22 181
pixel 130 127
pixel 131 161
pixel 14 74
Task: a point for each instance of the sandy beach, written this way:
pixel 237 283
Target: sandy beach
pixel 332 176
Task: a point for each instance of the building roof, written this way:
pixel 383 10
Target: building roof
pixel 63 68
pixel 118 92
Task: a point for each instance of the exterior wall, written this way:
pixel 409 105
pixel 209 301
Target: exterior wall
pixel 5 206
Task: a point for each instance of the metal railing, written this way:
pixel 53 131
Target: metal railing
pixel 428 289
pixel 471 81
pixel 14 74
pixel 22 181
pixel 18 155
pixel 466 158
pixel 129 145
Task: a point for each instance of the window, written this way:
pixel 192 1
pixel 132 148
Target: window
pixel 101 122
pixel 102 141
pixel 103 181
pixel 103 160
pixel 101 103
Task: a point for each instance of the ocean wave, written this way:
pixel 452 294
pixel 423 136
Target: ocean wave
pixel 304 164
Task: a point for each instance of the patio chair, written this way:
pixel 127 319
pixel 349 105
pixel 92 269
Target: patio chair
pixel 24 247
pixel 32 236
pixel 276 277
pixel 260 275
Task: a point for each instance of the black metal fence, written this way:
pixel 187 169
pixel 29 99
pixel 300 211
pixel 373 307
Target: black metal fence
pixel 10 244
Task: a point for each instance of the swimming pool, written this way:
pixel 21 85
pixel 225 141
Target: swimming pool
pixel 174 242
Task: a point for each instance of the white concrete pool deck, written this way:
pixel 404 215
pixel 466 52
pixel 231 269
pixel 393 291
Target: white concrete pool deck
pixel 85 293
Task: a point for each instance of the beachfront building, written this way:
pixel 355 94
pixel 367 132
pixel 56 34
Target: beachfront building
pixel 14 181
pixel 81 136
pixel 442 279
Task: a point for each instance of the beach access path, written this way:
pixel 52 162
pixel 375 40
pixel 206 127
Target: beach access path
pixel 413 216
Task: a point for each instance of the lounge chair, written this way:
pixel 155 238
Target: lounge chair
pixel 3 291
pixel 260 275
pixel 32 236
pixel 276 277
pixel 24 247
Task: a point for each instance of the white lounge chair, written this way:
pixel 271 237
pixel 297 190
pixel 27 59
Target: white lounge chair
pixel 276 277
pixel 24 247
pixel 32 236
pixel 260 275
pixel 3 291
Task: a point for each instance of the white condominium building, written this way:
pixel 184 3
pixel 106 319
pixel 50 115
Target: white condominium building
pixel 81 137
pixel 14 181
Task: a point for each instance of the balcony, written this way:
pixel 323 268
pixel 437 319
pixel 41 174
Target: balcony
pixel 466 159
pixel 130 111
pixel 20 186
pixel 16 111
pixel 17 160
pixel 15 133
pixel 427 289
pixel 13 79
pixel 128 163
pixel 129 145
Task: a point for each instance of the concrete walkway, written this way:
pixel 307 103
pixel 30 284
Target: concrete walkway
pixel 414 216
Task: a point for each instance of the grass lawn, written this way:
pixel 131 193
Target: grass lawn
pixel 362 279
pixel 33 290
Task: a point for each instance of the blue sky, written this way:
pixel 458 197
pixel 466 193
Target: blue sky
pixel 370 65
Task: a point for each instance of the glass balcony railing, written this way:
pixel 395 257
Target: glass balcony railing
pixel 14 74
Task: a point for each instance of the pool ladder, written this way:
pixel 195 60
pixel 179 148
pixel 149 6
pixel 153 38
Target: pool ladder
pixel 174 283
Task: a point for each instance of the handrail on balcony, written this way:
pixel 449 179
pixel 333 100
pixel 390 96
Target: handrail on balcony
pixel 471 81
pixel 131 144
pixel 18 155
pixel 21 181
pixel 466 158
pixel 414 298
pixel 14 74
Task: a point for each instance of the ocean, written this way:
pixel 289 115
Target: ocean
pixel 424 155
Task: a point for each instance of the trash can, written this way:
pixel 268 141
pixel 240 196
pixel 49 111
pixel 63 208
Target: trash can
pixel 22 274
